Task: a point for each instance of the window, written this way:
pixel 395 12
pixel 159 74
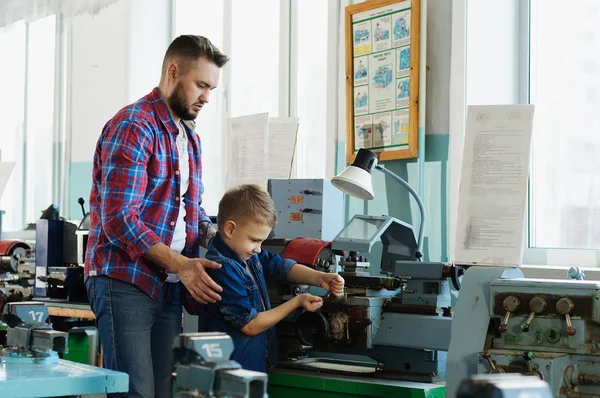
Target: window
pixel 546 53
pixel 28 120
pixel 255 84
pixel 12 41
pixel 281 63
pixel 565 88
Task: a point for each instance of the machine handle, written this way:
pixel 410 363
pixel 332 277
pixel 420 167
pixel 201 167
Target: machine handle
pixel 525 327
pixel 311 211
pixel 504 325
pixel 570 329
pixel 486 355
pixel 510 304
pixel 565 306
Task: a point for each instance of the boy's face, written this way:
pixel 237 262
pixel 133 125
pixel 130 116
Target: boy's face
pixel 245 237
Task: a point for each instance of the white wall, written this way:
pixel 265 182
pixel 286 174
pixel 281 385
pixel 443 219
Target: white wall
pixel 150 35
pixel 116 57
pixel 98 85
pixel 439 26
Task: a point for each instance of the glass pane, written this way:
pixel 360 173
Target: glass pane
pixel 12 105
pixel 361 228
pixel 40 116
pixel 565 88
pixel 206 18
pixel 255 57
pixel 312 87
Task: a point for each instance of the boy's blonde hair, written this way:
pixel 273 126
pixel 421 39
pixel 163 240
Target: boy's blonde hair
pixel 247 202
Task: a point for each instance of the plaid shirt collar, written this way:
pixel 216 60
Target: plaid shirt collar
pixel 164 114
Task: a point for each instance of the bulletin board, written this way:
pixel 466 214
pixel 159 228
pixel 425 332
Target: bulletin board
pixel 382 78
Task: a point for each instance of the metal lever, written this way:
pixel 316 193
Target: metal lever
pixel 565 306
pixel 525 326
pixel 486 355
pixel 528 356
pixel 510 304
pixel 312 211
pixel 570 329
pixel 537 305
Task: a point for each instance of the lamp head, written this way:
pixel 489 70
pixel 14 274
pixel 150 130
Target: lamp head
pixel 355 180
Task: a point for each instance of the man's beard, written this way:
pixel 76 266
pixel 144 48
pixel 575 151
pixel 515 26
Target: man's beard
pixel 177 104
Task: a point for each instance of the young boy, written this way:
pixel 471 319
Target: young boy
pixel 246 217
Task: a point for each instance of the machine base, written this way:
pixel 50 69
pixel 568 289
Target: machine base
pixel 284 383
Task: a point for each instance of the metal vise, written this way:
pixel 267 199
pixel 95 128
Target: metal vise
pixel 204 369
pixel 29 338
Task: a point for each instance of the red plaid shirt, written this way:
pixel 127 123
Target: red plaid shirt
pixel 135 194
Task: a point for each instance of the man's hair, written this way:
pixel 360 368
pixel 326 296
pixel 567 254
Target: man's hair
pixel 247 202
pixel 186 49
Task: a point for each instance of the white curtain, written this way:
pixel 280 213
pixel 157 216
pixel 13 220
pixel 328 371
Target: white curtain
pixel 12 11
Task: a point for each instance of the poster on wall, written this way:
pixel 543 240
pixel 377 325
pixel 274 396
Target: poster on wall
pixel 364 131
pixel 382 74
pixel 381 82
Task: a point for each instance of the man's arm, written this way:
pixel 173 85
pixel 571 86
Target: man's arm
pixel 124 156
pixel 191 272
pixel 206 231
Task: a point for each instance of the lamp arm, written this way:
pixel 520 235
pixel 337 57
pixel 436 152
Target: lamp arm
pixel 417 199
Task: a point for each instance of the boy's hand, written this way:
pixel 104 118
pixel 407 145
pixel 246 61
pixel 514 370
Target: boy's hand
pixel 333 283
pixel 309 302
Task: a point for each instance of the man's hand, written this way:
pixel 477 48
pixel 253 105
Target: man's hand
pixel 309 302
pixel 192 274
pixel 333 283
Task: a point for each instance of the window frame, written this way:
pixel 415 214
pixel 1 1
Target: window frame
pixel 536 261
pixel 556 257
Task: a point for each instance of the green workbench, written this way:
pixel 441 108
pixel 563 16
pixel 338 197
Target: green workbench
pixel 284 383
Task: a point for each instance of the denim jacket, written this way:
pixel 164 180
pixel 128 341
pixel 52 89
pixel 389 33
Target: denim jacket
pixel 243 297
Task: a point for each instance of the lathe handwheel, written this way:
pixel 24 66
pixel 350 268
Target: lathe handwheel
pixel 312 328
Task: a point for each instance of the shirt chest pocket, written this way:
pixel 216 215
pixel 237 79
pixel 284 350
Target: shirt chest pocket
pixel 250 285
pixel 158 167
pixel 253 293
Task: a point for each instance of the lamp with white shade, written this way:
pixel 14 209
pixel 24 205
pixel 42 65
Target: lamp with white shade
pixel 356 181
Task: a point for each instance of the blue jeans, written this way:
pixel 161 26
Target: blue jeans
pixel 137 333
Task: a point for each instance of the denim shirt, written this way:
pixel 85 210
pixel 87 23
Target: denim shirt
pixel 242 299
